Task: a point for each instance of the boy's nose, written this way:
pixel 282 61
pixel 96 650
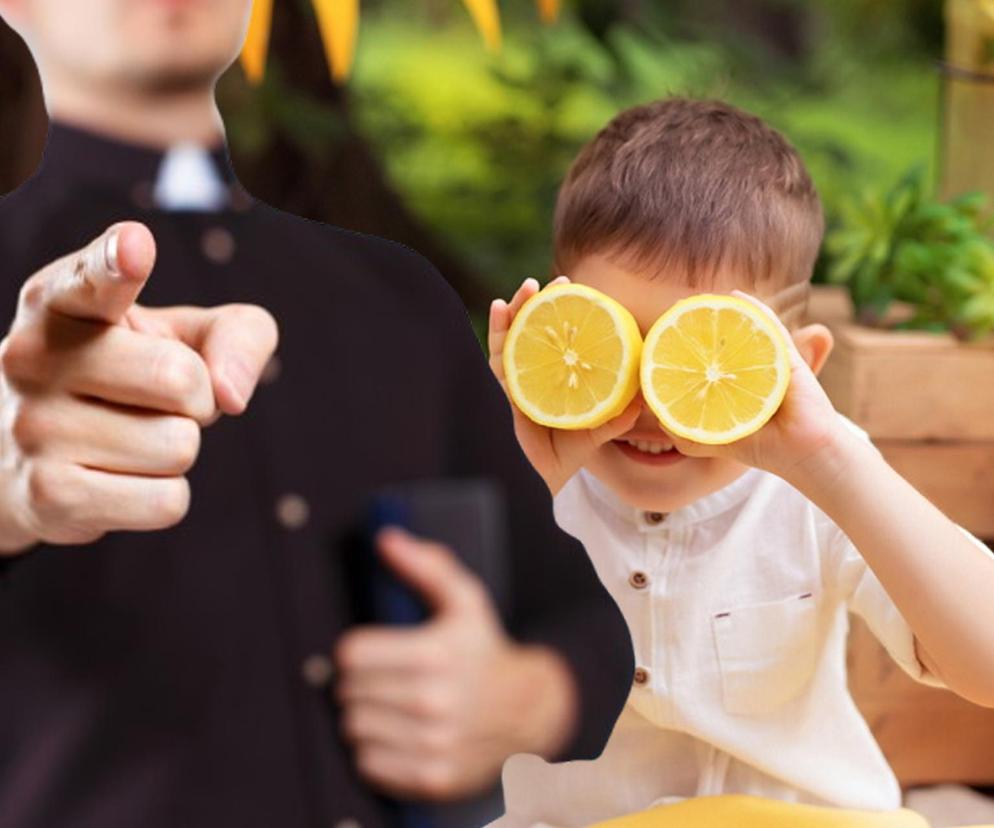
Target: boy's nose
pixel 647 421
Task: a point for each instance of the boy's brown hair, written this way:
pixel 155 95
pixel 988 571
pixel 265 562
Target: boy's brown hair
pixel 690 187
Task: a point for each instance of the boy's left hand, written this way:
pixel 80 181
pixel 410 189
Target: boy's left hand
pixel 805 423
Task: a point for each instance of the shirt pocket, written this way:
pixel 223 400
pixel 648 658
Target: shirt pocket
pixel 766 652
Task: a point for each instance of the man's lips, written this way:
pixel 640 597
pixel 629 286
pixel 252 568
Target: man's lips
pixel 651 452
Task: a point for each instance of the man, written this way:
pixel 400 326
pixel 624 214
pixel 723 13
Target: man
pixel 184 676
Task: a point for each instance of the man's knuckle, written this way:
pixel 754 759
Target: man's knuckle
pixel 31 427
pixel 50 489
pixel 20 354
pixel 32 295
pixel 172 502
pixel 346 652
pixel 439 740
pixel 367 762
pixel 428 702
pixel 183 443
pixel 434 656
pixel 436 779
pixel 176 374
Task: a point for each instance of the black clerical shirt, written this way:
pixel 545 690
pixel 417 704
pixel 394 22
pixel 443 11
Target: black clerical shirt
pixel 175 678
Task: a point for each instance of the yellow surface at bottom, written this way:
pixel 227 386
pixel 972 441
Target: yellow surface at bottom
pixel 739 811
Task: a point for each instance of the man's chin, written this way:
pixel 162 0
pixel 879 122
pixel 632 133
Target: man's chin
pixel 177 77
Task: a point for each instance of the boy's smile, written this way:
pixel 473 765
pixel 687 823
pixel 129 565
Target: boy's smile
pixel 642 466
pixel 648 449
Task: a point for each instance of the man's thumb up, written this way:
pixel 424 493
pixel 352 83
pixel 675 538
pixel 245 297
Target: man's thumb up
pixel 434 572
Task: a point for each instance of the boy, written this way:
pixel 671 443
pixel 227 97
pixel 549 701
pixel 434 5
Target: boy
pixel 735 565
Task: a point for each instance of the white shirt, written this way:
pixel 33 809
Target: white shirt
pixel 737 607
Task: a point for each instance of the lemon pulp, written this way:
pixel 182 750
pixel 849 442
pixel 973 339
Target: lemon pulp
pixel 715 368
pixel 571 357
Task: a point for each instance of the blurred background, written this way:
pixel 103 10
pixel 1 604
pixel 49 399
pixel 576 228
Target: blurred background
pixel 458 151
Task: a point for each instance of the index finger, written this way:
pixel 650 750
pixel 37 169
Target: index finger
pixel 101 281
pixel 501 316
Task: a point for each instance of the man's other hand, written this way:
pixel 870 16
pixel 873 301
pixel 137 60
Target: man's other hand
pixel 434 710
pixel 102 401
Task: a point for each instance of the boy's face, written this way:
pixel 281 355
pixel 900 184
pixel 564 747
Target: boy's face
pixel 667 480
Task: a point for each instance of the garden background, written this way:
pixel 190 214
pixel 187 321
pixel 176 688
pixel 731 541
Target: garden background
pixel 457 151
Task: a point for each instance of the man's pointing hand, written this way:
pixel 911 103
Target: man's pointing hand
pixel 102 401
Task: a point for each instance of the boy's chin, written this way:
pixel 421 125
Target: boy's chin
pixel 663 488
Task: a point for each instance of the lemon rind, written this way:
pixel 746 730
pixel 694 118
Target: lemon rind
pixel 668 320
pixel 623 394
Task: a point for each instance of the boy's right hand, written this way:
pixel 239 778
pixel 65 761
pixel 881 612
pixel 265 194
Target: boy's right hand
pixel 555 453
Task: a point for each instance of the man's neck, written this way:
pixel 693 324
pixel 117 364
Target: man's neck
pixel 157 121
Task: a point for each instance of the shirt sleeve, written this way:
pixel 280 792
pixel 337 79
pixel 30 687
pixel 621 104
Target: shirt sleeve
pixel 555 597
pixel 866 597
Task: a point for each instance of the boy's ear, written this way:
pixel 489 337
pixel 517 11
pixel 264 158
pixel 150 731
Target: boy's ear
pixel 815 344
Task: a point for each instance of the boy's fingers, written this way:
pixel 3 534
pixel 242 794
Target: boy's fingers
pixel 101 281
pixel 529 287
pixel 497 329
pixel 796 360
pixel 752 300
pixel 496 335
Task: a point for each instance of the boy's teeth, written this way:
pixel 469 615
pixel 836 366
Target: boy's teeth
pixel 650 446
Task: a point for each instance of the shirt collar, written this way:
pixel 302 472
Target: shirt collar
pixel 184 177
pixel 700 510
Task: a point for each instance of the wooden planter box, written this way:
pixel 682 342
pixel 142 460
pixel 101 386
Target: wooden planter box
pixel 928 403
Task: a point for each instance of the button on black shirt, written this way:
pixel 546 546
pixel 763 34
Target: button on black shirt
pixel 168 678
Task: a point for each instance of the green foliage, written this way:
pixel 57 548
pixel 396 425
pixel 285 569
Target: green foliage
pixel 477 144
pixel 904 245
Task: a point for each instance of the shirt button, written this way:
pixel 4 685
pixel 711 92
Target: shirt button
pixel 271 371
pixel 292 511
pixel 218 245
pixel 638 580
pixel 641 676
pixel 655 518
pixel 316 670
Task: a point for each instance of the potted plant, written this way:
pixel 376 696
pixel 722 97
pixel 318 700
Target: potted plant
pixel 914 356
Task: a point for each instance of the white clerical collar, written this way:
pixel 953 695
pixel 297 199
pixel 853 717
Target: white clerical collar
pixel 188 180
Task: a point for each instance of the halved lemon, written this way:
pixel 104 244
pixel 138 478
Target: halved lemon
pixel 571 357
pixel 715 368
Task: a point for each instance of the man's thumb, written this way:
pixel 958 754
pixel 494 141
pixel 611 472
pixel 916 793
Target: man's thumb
pixel 432 570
